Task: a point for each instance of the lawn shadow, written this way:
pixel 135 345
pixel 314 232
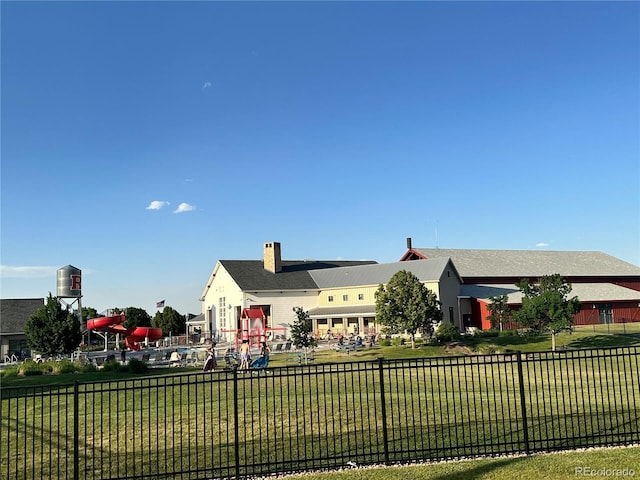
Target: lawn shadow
pixel 476 471
pixel 507 340
pixel 606 341
pixel 519 339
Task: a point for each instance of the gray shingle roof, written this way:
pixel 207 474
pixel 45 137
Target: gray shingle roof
pixel 197 318
pixel 15 312
pixel 532 263
pixel 586 292
pixel 377 274
pixel 250 275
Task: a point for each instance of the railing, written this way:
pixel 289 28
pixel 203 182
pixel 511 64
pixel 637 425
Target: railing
pixel 234 424
pixel 11 358
pixel 622 326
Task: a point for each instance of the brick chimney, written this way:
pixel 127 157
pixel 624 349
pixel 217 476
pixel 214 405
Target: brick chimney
pixel 272 257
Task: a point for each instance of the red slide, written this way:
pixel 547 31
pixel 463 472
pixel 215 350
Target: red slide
pixel 113 324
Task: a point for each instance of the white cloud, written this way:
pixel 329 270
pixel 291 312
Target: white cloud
pixel 9 271
pixel 157 205
pixel 542 245
pixel 184 207
pixel 206 85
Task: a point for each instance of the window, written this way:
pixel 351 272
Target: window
pixel 222 311
pixel 345 298
pixel 19 348
pixel 361 296
pixel 330 298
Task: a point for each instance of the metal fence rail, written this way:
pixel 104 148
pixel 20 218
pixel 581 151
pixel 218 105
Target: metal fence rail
pixel 234 424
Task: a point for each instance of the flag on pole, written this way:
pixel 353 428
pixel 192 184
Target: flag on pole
pixel 160 304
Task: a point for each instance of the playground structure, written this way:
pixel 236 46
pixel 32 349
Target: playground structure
pixel 132 336
pixel 254 328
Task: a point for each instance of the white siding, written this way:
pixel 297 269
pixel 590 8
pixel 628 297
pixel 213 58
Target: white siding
pixel 222 287
pixel 282 304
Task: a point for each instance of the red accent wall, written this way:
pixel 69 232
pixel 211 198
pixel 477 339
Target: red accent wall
pixel 411 255
pixel 623 312
pixel 631 285
pixel 626 312
pixel 588 316
pixel 481 315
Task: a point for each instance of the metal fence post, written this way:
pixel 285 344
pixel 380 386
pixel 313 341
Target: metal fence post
pixel 523 405
pixel 76 430
pixel 383 404
pixel 236 424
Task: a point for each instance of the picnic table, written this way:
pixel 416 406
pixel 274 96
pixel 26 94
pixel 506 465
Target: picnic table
pixel 299 357
pixel 348 347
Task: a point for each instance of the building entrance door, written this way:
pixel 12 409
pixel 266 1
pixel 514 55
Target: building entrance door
pixel 605 313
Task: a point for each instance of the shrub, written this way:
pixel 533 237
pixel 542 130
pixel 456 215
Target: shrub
pixel 9 372
pixel 385 342
pixel 492 333
pixel 137 366
pixel 29 368
pixel 397 341
pixel 113 366
pixel 89 368
pixel 64 366
pixel 447 332
pixel 508 333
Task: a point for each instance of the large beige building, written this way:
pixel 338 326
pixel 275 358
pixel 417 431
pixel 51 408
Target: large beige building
pixel 246 297
pixel 346 299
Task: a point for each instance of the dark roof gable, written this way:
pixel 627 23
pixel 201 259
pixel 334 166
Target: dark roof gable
pixel 14 314
pixel 251 275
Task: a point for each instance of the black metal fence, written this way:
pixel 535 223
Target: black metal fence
pixel 235 424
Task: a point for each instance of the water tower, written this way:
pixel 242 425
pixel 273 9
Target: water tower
pixel 69 287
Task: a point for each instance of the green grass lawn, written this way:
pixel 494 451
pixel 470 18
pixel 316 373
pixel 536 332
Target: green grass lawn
pixel 96 376
pixel 557 466
pixel 580 338
pixel 436 406
pixel 583 337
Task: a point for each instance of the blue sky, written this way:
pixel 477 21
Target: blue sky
pixel 141 142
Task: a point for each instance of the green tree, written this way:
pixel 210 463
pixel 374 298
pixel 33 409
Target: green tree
pixel 499 311
pixel 406 305
pixel 53 330
pixel 136 317
pixel 89 312
pixel 170 321
pixel 301 330
pixel 545 306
